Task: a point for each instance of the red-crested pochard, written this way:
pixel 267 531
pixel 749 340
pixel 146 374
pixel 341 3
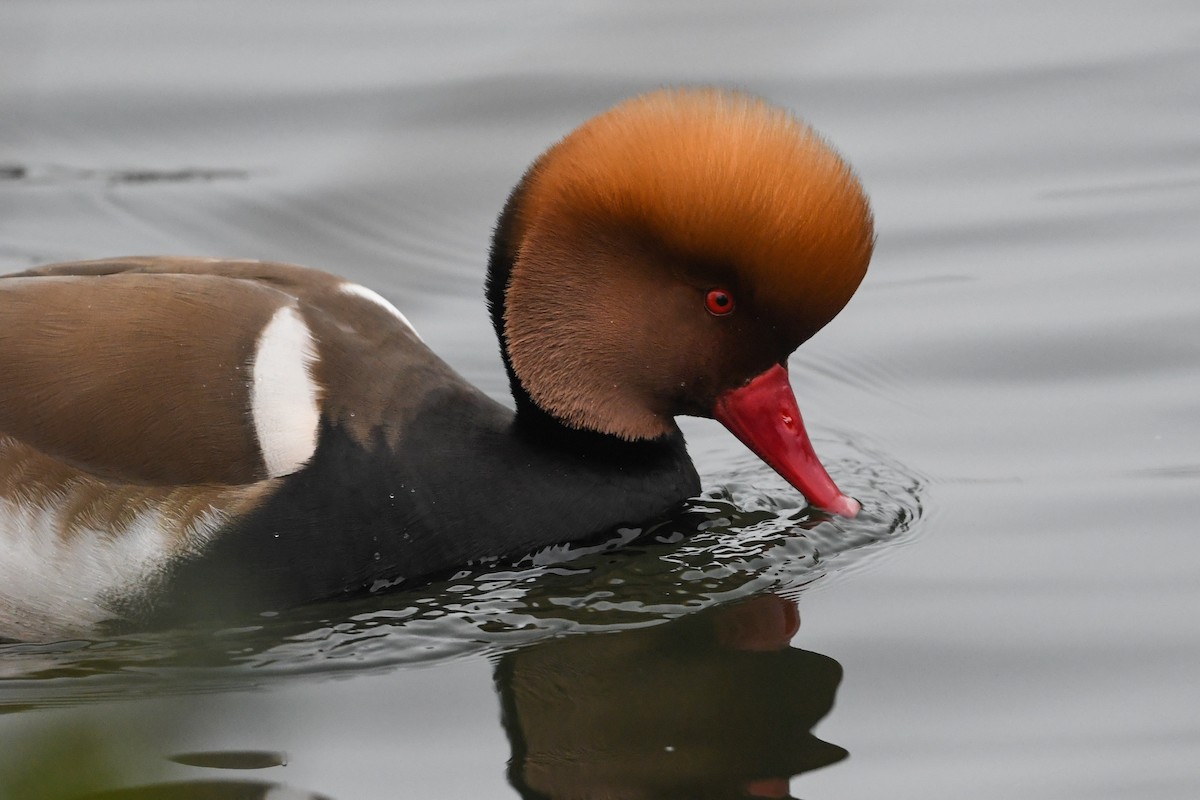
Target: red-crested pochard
pixel 182 433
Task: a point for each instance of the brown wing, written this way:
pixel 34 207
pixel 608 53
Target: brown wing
pixel 137 369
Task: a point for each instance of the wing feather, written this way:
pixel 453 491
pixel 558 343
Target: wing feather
pixel 133 375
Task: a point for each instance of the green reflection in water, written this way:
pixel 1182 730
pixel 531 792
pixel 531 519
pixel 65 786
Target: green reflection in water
pixel 103 757
pixel 62 762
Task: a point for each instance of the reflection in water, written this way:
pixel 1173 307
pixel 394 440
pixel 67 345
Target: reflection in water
pixel 711 704
pixel 232 759
pixel 716 704
pixel 207 790
pixel 82 760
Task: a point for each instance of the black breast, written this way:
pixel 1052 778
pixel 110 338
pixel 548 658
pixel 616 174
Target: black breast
pixel 465 482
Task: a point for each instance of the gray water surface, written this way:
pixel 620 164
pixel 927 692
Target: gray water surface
pixel 1013 394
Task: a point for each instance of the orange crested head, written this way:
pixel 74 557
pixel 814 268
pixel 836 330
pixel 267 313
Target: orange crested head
pixel 668 251
pixel 722 180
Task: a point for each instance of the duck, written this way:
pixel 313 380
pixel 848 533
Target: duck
pixel 183 436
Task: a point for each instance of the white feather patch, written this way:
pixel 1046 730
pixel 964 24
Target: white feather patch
pixel 55 584
pixel 379 300
pixel 283 395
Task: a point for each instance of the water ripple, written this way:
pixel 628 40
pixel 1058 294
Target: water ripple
pixel 60 175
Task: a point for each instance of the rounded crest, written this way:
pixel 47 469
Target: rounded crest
pixel 722 177
pixel 626 226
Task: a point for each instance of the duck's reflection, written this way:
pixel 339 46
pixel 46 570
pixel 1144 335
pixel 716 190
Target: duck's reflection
pixel 712 705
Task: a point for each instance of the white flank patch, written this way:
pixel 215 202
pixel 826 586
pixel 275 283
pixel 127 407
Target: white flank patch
pixel 56 585
pixel 379 300
pixel 283 395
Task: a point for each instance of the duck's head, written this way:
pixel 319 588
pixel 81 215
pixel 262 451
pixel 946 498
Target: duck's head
pixel 666 258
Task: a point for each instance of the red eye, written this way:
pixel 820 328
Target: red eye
pixel 718 302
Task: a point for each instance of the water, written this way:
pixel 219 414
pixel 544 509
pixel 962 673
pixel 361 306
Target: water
pixel 1013 394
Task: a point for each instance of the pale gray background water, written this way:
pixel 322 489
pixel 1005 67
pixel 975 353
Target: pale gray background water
pixel 1025 350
